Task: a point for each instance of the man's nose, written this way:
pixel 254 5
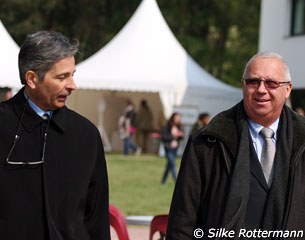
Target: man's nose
pixel 71 84
pixel 262 87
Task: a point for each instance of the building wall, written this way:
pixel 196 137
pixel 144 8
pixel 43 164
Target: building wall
pixel 274 35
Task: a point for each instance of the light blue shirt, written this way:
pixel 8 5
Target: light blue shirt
pixel 257 139
pixel 37 109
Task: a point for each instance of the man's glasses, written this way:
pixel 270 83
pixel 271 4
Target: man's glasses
pixel 269 84
pixel 17 137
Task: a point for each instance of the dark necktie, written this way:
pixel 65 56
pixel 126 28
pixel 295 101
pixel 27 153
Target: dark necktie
pixel 268 152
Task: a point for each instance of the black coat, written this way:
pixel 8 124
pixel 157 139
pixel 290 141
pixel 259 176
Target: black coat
pixel 64 198
pixel 203 184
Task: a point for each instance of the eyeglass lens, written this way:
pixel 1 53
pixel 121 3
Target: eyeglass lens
pixel 268 83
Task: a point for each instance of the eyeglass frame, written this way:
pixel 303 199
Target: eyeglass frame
pixel 279 84
pixel 17 137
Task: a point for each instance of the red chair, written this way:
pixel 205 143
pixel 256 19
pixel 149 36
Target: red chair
pixel 117 221
pixel 158 224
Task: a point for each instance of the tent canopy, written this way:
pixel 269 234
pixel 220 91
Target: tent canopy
pixel 8 60
pixel 145 56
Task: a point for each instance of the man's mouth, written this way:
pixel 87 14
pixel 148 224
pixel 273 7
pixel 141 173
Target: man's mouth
pixel 262 100
pixel 62 97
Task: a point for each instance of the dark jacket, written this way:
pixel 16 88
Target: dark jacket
pixel 167 137
pixel 205 174
pixel 64 198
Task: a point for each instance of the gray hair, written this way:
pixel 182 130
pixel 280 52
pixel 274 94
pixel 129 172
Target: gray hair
pixel 269 55
pixel 41 50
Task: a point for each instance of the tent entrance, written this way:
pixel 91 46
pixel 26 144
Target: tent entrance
pixel 104 107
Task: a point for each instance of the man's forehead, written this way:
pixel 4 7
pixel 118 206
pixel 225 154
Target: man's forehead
pixel 266 60
pixel 268 67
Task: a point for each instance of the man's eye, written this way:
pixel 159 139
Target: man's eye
pixel 252 81
pixel 62 77
pixel 271 82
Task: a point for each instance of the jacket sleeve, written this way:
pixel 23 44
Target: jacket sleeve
pixel 186 197
pixel 97 203
pixel 166 136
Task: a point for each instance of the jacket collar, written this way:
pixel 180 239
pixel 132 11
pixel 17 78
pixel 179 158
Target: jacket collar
pixel 30 119
pixel 226 127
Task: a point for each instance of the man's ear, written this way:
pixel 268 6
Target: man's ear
pixel 289 88
pixel 31 79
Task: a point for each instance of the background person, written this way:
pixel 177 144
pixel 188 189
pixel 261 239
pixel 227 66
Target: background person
pixel 53 173
pixel 7 94
pixel 223 180
pixel 300 111
pixel 202 121
pixel 127 129
pixel 144 124
pixel 171 134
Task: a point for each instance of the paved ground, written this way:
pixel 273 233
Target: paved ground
pixel 135 233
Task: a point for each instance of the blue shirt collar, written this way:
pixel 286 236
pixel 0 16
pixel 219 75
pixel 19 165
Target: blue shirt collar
pixel 37 109
pixel 255 128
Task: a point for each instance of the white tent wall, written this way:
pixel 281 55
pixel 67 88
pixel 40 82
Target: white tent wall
pixel 206 92
pixel 104 107
pixel 9 51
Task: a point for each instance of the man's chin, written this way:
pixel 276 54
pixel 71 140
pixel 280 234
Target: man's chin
pixel 59 105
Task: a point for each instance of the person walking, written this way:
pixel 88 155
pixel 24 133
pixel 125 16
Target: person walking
pixel 53 173
pixel 171 135
pixel 127 129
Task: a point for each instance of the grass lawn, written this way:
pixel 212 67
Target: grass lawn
pixel 135 184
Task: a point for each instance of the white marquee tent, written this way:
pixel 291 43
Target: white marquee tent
pixel 146 57
pixel 145 60
pixel 8 60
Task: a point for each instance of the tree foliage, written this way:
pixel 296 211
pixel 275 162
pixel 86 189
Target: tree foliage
pixel 219 35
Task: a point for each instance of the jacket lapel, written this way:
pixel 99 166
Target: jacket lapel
pixel 256 169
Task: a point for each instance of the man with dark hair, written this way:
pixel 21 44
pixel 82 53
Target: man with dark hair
pixel 53 176
pixel 245 171
pixel 8 94
pixel 202 121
